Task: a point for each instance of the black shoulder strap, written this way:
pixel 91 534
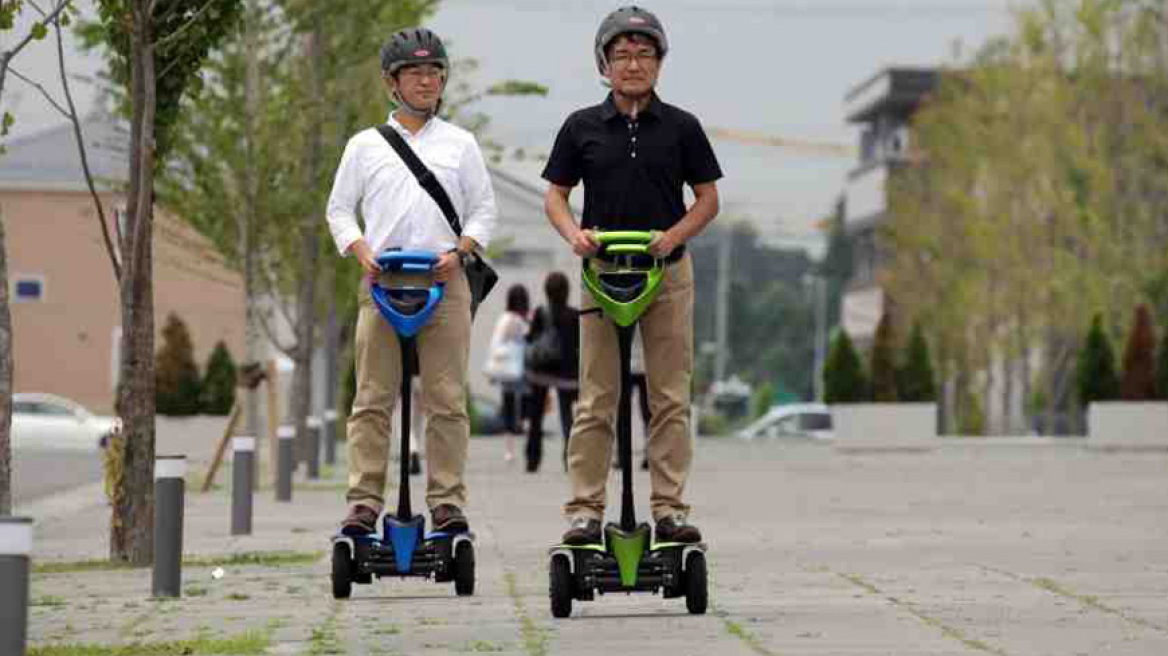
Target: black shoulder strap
pixel 424 175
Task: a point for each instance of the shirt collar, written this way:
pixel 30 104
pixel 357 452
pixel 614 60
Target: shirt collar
pixel 393 123
pixel 608 110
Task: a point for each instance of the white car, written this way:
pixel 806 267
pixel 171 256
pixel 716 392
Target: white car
pixel 798 420
pixel 53 422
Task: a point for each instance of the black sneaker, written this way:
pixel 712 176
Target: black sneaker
pixel 675 528
pixel 584 530
pixel 361 520
pixel 448 518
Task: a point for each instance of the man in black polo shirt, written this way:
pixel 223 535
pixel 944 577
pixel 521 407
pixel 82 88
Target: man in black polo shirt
pixel 634 153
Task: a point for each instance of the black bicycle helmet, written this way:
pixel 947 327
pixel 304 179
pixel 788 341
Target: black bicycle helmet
pixel 413 45
pixel 623 21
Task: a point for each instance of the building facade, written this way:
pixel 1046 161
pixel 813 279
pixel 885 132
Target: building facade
pixel 882 109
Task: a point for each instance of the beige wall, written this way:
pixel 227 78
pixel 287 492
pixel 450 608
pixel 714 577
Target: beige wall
pixel 65 344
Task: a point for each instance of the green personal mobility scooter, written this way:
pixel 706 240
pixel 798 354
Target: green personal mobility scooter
pixel 627 560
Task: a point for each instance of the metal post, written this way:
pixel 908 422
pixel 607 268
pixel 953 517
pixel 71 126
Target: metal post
pixel 242 484
pixel 284 436
pixel 169 493
pixel 330 437
pixel 314 426
pixel 15 547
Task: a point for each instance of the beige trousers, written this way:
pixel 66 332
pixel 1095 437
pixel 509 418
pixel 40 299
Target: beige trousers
pixel 443 350
pixel 667 333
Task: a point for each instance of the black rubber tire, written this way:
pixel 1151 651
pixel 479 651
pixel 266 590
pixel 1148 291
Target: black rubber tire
pixel 464 569
pixel 342 571
pixel 697 592
pixel 560 575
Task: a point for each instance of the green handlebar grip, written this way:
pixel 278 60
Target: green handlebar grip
pixel 625 236
pixel 634 249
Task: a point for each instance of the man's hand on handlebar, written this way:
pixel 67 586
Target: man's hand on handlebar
pixel 584 243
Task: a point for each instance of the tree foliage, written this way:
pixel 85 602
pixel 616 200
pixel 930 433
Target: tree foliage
pixel 177 387
pixel 1139 359
pixel 1095 376
pixel 218 387
pixel 1035 194
pixel 844 380
pixel 916 382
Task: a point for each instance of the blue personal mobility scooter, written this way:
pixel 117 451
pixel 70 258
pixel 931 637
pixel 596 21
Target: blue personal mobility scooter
pixel 403 548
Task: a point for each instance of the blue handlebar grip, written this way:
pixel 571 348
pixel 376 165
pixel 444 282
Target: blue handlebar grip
pixel 409 261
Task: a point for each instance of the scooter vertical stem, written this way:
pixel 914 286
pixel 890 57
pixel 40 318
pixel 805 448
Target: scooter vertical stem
pixel 284 439
pixel 242 484
pixel 624 427
pixel 314 429
pixel 330 437
pixel 408 345
pixel 15 547
pixel 169 493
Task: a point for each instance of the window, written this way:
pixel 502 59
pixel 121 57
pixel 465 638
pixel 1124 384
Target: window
pixel 815 421
pixel 28 289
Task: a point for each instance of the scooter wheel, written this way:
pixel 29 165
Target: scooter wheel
pixel 343 568
pixel 464 569
pixel 697 593
pixel 560 574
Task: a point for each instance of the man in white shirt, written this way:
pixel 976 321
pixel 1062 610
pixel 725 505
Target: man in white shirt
pixel 398 213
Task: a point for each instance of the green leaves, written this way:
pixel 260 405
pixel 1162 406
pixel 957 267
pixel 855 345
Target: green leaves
pixel 39 31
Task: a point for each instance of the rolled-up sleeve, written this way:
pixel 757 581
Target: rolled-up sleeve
pixel 348 189
pixel 480 211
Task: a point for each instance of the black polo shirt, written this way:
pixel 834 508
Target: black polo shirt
pixel 633 171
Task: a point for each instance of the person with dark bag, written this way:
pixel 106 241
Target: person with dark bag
pixel 634 154
pixel 553 363
pixel 410 178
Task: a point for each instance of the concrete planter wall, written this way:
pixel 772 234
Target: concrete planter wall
pixel 1129 425
pixel 884 426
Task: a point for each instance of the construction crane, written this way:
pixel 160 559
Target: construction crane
pixel 759 139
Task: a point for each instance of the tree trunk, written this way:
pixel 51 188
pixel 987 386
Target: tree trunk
pixel 253 344
pixel 5 384
pixel 306 296
pixel 132 521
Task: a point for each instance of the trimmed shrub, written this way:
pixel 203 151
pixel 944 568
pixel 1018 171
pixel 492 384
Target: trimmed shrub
pixel 844 380
pixel 219 382
pixel 1162 370
pixel 1139 359
pixel 176 376
pixel 916 382
pixel 884 362
pixel 1095 377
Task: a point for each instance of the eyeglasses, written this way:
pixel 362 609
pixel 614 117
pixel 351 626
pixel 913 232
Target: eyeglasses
pixel 416 73
pixel 625 59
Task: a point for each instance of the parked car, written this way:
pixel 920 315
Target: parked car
pixel 796 420
pixel 47 420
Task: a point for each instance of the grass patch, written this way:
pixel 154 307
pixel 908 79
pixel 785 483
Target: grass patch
pixel 48 601
pixel 195 591
pixel 483 647
pixel 535 639
pixel 236 596
pixel 262 558
pixel 247 644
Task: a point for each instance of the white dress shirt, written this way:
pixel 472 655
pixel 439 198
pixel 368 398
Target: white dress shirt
pixel 397 211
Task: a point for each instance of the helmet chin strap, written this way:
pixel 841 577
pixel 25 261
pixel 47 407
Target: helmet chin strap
pixel 406 107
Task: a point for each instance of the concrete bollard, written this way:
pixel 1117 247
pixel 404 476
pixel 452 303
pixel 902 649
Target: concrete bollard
pixel 242 484
pixel 285 436
pixel 15 549
pixel 314 428
pixel 330 437
pixel 169 501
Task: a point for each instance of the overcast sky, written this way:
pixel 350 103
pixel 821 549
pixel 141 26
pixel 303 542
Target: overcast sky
pixel 779 67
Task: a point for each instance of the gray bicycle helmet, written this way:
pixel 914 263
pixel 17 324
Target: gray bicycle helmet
pixel 623 21
pixel 414 45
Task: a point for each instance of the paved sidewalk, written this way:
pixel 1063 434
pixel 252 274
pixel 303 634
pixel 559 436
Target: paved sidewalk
pixel 976 547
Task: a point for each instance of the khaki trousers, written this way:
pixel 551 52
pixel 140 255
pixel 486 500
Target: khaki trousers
pixel 666 330
pixel 443 350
